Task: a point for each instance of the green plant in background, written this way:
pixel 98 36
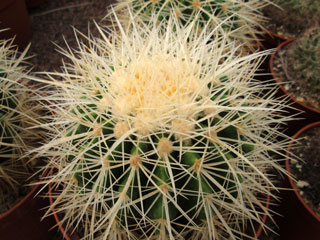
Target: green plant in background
pixel 17 114
pixel 242 19
pixel 295 16
pixel 162 136
pixel 303 58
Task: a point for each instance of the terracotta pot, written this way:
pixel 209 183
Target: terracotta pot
pixel 23 221
pixel 14 15
pixel 309 113
pixel 275 35
pixel 72 235
pixel 300 221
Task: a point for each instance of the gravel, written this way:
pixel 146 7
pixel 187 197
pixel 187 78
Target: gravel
pixel 53 22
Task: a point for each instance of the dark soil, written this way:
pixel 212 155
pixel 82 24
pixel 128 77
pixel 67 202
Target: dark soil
pixel 11 194
pixel 53 23
pixel 296 87
pixel 288 22
pixel 10 199
pixel 273 24
pixel 307 171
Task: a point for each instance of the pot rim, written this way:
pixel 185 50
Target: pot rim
pixel 292 184
pixel 274 76
pixel 273 34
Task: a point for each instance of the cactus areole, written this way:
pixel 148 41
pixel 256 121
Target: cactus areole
pixel 162 136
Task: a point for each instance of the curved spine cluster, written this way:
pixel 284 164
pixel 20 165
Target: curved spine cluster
pixel 162 136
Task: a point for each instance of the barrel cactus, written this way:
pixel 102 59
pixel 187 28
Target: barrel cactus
pixel 17 115
pixel 242 19
pixel 161 136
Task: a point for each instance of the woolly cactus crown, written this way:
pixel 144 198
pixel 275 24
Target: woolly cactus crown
pixel 161 134
pixel 240 19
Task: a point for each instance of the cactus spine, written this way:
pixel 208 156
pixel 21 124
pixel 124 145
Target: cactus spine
pixel 17 113
pixel 240 19
pixel 162 136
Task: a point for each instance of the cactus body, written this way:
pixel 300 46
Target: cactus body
pixel 162 136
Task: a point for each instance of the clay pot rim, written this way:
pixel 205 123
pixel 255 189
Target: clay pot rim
pixel 292 184
pixel 274 76
pixel 275 35
pixel 66 236
pixel 17 205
